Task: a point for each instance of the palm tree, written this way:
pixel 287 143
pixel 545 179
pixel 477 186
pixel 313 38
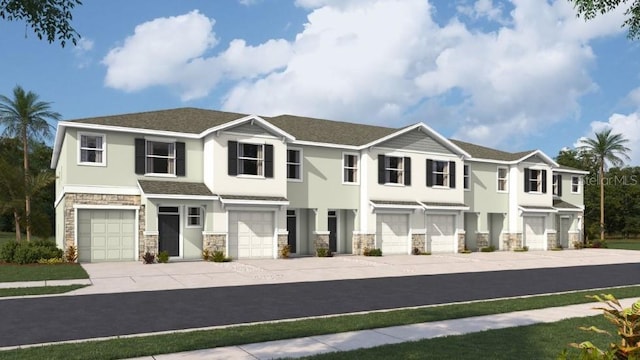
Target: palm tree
pixel 606 147
pixel 25 117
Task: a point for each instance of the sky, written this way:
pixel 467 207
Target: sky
pixel 513 75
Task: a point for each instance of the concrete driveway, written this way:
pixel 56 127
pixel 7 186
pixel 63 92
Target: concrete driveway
pixel 135 276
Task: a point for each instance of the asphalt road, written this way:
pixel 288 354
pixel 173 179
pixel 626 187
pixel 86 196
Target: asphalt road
pixel 50 319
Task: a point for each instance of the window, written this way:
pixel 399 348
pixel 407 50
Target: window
pixel 92 149
pixel 535 180
pixel 557 185
pixel 502 178
pixel 161 157
pixel 575 184
pixel 294 164
pixel 441 173
pixel 194 217
pixel 157 157
pixel 250 159
pixel 466 177
pixel 394 170
pixel 350 168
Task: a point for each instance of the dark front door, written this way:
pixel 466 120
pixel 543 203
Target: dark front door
pixel 292 229
pixel 169 233
pixel 333 231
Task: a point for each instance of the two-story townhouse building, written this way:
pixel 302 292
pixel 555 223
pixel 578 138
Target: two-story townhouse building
pixel 515 200
pixel 184 180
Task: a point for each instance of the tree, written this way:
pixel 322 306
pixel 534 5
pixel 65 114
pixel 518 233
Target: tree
pixel 605 147
pixel 589 9
pixel 25 117
pixel 48 18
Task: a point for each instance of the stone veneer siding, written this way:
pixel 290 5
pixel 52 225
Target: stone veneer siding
pixel 71 199
pixel 320 241
pixel 361 241
pixel 512 241
pixel 214 242
pixel 574 237
pixel 283 240
pixel 552 240
pixel 482 240
pixel 419 241
pixel 461 239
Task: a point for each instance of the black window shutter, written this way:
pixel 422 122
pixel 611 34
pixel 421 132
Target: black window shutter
pixel 559 184
pixel 429 172
pixel 527 177
pixel 268 161
pixel 180 159
pixel 544 181
pixel 232 158
pixel 381 177
pixel 452 174
pixel 407 171
pixel 140 156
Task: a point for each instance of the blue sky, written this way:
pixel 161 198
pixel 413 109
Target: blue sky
pixel 514 75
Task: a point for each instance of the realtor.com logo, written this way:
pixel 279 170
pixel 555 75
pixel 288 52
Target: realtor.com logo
pixel 608 180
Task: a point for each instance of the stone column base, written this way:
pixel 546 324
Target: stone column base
pixel 214 242
pixel 361 241
pixel 283 240
pixel 461 238
pixel 482 240
pixel 321 240
pixel 552 240
pixel 418 241
pixel 512 241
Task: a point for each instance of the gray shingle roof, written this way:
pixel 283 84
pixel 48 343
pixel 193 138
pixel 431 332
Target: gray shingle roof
pixel 483 152
pixel 442 204
pixel 252 198
pixel 187 120
pixel 561 204
pixel 174 188
pixel 398 203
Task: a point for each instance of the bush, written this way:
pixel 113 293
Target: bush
pixel 148 258
pixel 163 257
pixel 285 251
pixel 7 250
pixel 51 261
pixel 578 244
pixel 218 256
pixel 30 252
pixel 597 244
pixel 489 248
pixel 415 251
pixel 206 254
pixel 71 255
pixel 372 252
pixel 323 252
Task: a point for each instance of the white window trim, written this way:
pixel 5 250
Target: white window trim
pixel 357 168
pixel 261 160
pixel 539 181
pixel 506 179
pixel 146 157
pixel 445 174
pixel 189 216
pixel 579 183
pixel 466 177
pixel 104 149
pixel 555 184
pixel 400 170
pixel 299 150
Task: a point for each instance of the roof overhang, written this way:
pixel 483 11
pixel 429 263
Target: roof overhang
pixel 254 119
pixel 571 171
pixel 402 205
pixel 537 209
pixel 539 153
pixel 250 200
pixel 443 206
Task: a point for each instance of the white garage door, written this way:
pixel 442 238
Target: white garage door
pixel 441 233
pixel 392 231
pixel 534 232
pixel 251 234
pixel 106 235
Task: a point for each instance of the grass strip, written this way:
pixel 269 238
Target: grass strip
pixel 246 334
pixel 538 341
pixel 40 290
pixel 39 272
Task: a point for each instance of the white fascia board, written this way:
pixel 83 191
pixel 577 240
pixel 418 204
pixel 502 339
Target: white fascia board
pixel 491 161
pixel 57 144
pixel 133 130
pixel 534 210
pixel 544 156
pixel 427 130
pixel 327 145
pixel 253 202
pixel 569 171
pixel 452 208
pixel 567 210
pixel 249 118
pixel 394 206
pixel 181 197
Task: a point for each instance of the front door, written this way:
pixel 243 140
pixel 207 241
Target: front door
pixel 333 231
pixel 292 229
pixel 169 230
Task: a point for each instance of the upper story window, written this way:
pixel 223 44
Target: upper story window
pixel 250 159
pixel 503 177
pixel 350 168
pixel 441 173
pixel 294 164
pixel 92 149
pixel 157 157
pixel 466 177
pixel 575 184
pixel 535 180
pixel 194 217
pixel 557 185
pixel 394 170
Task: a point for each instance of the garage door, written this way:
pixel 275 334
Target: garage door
pixel 534 232
pixel 392 231
pixel 106 235
pixel 441 233
pixel 251 234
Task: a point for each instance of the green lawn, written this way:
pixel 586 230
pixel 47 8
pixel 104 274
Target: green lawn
pixel 41 290
pixel 540 341
pixel 625 244
pixel 170 343
pixel 38 272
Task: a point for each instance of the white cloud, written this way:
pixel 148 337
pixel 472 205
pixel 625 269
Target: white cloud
pixel 249 2
pixel 81 51
pixel 482 9
pixel 628 125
